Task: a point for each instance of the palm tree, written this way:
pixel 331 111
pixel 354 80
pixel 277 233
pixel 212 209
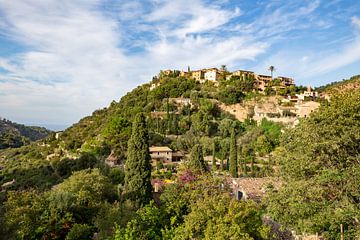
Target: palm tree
pixel 272 69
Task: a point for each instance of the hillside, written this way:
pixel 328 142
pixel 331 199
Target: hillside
pixel 77 177
pixel 180 112
pixel 16 135
pixel 345 85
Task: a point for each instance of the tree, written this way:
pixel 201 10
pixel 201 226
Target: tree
pixel 146 224
pixel 23 214
pixel 272 69
pixel 117 133
pixel 320 165
pixel 222 217
pixel 80 231
pixel 213 166
pixel 197 162
pixel 233 155
pixel 223 68
pixel 224 152
pixel 137 167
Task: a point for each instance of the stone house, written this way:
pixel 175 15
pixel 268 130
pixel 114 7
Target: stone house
pixel 286 81
pixel 241 73
pixel 198 75
pixel 164 155
pixel 262 81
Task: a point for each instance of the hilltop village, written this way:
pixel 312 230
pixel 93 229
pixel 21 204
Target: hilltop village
pixel 278 98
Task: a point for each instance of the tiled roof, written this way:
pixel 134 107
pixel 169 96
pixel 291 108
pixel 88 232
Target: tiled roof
pixel 160 149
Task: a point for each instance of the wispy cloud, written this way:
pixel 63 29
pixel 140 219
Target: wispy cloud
pixel 80 55
pixel 356 21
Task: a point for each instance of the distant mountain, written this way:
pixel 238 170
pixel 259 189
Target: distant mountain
pixel 14 135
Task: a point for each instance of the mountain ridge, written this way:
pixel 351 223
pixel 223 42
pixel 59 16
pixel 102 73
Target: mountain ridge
pixel 16 135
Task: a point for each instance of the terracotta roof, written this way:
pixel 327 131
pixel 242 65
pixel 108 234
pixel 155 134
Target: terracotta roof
pixel 160 149
pixel 254 188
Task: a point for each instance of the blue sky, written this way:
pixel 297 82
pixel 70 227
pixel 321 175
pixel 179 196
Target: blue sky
pixel 61 60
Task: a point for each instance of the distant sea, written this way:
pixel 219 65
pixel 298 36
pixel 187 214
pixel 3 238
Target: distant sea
pixel 53 127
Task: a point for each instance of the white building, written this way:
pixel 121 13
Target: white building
pixel 212 75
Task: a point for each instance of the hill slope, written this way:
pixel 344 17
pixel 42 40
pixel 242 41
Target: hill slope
pixel 16 135
pixel 352 83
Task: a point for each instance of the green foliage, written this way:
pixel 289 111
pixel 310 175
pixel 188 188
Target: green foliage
pixel 213 165
pixel 320 165
pixel 222 217
pixel 83 188
pixel 117 132
pixel 233 155
pixel 137 167
pixel 197 162
pixel 64 167
pixel 80 231
pixel 230 95
pixel 23 212
pixel 117 176
pixel 16 135
pixel 146 224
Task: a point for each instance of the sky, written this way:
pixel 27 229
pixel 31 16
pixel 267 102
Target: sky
pixel 61 60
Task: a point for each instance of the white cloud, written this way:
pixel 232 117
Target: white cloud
pixel 182 17
pixel 356 21
pixel 78 54
pixel 74 64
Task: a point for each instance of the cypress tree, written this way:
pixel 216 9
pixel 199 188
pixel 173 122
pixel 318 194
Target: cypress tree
pixel 213 166
pixel 138 167
pixel 233 155
pixel 197 162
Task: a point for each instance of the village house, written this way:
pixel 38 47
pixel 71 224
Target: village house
pixel 185 74
pixel 309 94
pixel 262 81
pixel 212 74
pixel 198 75
pixel 242 74
pixel 164 155
pixel 286 81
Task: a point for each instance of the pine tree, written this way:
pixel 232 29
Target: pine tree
pixel 213 166
pixel 197 162
pixel 233 155
pixel 137 167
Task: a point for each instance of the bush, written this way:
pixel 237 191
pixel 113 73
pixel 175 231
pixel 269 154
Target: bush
pixel 80 231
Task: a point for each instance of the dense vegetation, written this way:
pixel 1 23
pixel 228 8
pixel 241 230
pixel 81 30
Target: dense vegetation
pixel 320 165
pixel 61 188
pixel 16 135
pixel 198 128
